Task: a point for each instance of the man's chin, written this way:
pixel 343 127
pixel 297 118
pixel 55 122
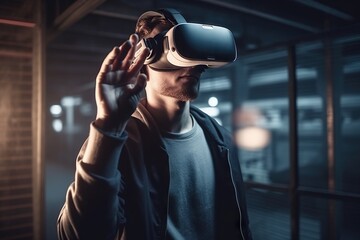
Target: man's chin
pixel 186 96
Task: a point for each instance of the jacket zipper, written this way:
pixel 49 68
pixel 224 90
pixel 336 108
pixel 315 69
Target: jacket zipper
pixel 236 191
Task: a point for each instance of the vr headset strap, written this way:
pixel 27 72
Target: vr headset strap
pixel 172 15
pixel 155 43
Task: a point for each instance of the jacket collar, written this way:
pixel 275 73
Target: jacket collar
pixel 208 124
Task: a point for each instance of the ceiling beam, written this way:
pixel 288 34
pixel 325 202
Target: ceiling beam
pixel 71 15
pixel 116 15
pixel 17 23
pixel 326 9
pixel 260 14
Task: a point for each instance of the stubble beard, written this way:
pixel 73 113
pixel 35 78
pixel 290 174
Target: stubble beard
pixel 186 93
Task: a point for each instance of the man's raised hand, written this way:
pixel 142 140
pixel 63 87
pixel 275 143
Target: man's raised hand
pixel 119 85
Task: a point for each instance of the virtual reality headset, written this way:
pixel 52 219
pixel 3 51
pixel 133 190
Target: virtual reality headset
pixel 187 44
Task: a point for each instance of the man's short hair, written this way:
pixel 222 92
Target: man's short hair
pixel 147 24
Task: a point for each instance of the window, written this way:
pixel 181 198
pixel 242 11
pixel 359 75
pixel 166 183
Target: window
pixel 311 191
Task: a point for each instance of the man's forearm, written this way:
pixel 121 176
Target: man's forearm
pixel 92 203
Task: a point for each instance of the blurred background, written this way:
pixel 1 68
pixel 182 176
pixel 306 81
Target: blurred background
pixel 291 100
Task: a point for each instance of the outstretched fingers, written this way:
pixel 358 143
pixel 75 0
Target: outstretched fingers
pixel 137 64
pixel 133 39
pixel 123 52
pixel 105 66
pixel 113 60
pixel 119 66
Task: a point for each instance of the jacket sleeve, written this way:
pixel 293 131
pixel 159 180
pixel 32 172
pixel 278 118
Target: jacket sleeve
pixel 93 206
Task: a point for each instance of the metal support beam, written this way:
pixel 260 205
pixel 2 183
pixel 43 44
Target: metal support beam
pixel 38 119
pixel 330 135
pixel 72 14
pixel 116 15
pixel 17 23
pixel 260 14
pixel 326 9
pixel 293 133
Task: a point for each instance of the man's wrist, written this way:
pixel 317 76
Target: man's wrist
pixel 102 151
pixel 110 126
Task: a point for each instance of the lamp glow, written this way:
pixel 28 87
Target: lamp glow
pixel 56 110
pixel 252 138
pixel 213 102
pixel 57 125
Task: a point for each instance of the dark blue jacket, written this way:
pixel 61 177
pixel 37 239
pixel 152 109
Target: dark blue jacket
pixel 124 194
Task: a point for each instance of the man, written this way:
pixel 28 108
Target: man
pixel 153 167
